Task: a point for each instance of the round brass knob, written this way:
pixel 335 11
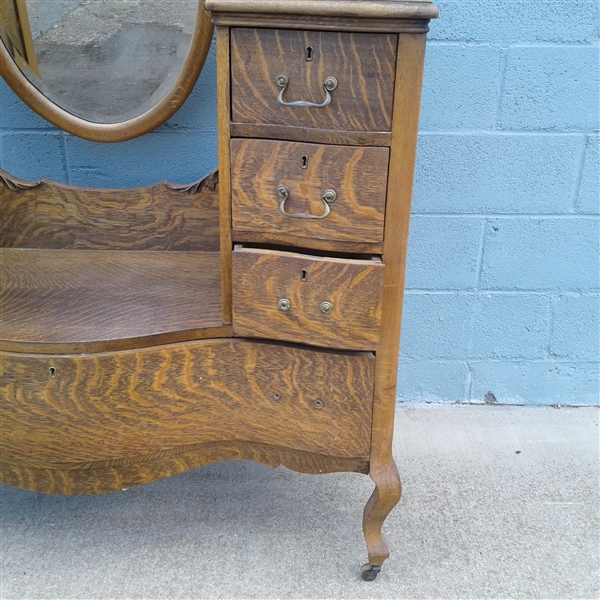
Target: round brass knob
pixel 330 196
pixel 282 80
pixel 326 307
pixel 330 83
pixel 284 304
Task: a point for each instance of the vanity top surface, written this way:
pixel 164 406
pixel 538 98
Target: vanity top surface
pixel 378 9
pixel 94 300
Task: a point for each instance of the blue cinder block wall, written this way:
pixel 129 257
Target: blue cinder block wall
pixel 502 301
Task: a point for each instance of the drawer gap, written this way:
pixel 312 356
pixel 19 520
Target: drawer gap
pixel 309 251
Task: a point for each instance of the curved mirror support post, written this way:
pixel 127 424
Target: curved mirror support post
pixel 104 70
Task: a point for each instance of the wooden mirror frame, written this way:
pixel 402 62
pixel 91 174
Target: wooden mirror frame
pixel 124 130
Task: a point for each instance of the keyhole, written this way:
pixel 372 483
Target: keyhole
pixel 304 161
pixel 52 372
pixel 309 53
pixel 304 275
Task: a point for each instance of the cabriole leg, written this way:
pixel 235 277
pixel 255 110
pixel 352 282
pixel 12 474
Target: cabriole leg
pixel 386 495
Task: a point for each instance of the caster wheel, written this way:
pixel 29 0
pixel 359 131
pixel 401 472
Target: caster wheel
pixel 368 572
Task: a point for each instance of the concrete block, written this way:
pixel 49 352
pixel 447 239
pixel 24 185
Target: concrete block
pixel 551 88
pixel 559 254
pixel 175 156
pixel 529 382
pixel 588 197
pixel 443 252
pixel 510 326
pixel 496 173
pixel 431 381
pixel 460 87
pixel 437 325
pixel 15 114
pixel 199 111
pixel 33 155
pixel 510 21
pixel 575 328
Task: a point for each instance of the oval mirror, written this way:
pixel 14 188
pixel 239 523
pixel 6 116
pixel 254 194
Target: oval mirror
pixel 103 70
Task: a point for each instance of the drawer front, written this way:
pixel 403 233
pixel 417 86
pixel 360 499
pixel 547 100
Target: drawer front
pixel 328 302
pixel 363 65
pixel 308 171
pixel 122 405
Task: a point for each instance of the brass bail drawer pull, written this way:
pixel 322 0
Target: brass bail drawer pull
pixel 328 85
pixel 283 191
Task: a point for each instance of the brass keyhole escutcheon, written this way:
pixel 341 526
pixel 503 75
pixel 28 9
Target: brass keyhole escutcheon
pixel 326 307
pixel 284 304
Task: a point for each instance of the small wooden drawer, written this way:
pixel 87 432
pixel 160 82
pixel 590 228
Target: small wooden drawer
pixel 261 169
pixel 328 302
pixel 266 62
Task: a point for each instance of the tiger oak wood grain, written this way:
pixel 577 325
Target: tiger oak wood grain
pixel 92 423
pixel 383 471
pixel 55 215
pixel 262 277
pixel 173 337
pixel 274 238
pixel 122 405
pixel 319 23
pixel 307 134
pixel 114 476
pixel 66 297
pixel 362 63
pixel 342 10
pixel 223 119
pixel 260 166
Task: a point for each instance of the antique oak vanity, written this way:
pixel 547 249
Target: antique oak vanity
pixel 252 315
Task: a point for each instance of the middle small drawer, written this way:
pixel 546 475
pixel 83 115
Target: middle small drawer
pixel 310 195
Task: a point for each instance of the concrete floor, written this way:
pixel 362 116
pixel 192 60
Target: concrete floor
pixel 499 502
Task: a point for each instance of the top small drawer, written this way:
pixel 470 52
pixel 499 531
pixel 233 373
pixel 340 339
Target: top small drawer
pixel 352 74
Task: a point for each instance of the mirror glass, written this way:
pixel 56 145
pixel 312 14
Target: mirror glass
pixel 105 61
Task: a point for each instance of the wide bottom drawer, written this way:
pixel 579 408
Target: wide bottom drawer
pixel 321 301
pixel 73 411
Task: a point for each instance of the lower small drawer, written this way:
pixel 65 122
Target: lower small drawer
pixel 327 302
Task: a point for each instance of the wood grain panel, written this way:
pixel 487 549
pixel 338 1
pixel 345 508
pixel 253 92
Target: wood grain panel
pixel 319 9
pixel 91 296
pixel 307 134
pixel 411 59
pixel 260 166
pixel 355 288
pixel 56 216
pixel 363 64
pixel 125 405
pixel 285 239
pixel 382 469
pixel 320 23
pixel 114 476
pixel 223 119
